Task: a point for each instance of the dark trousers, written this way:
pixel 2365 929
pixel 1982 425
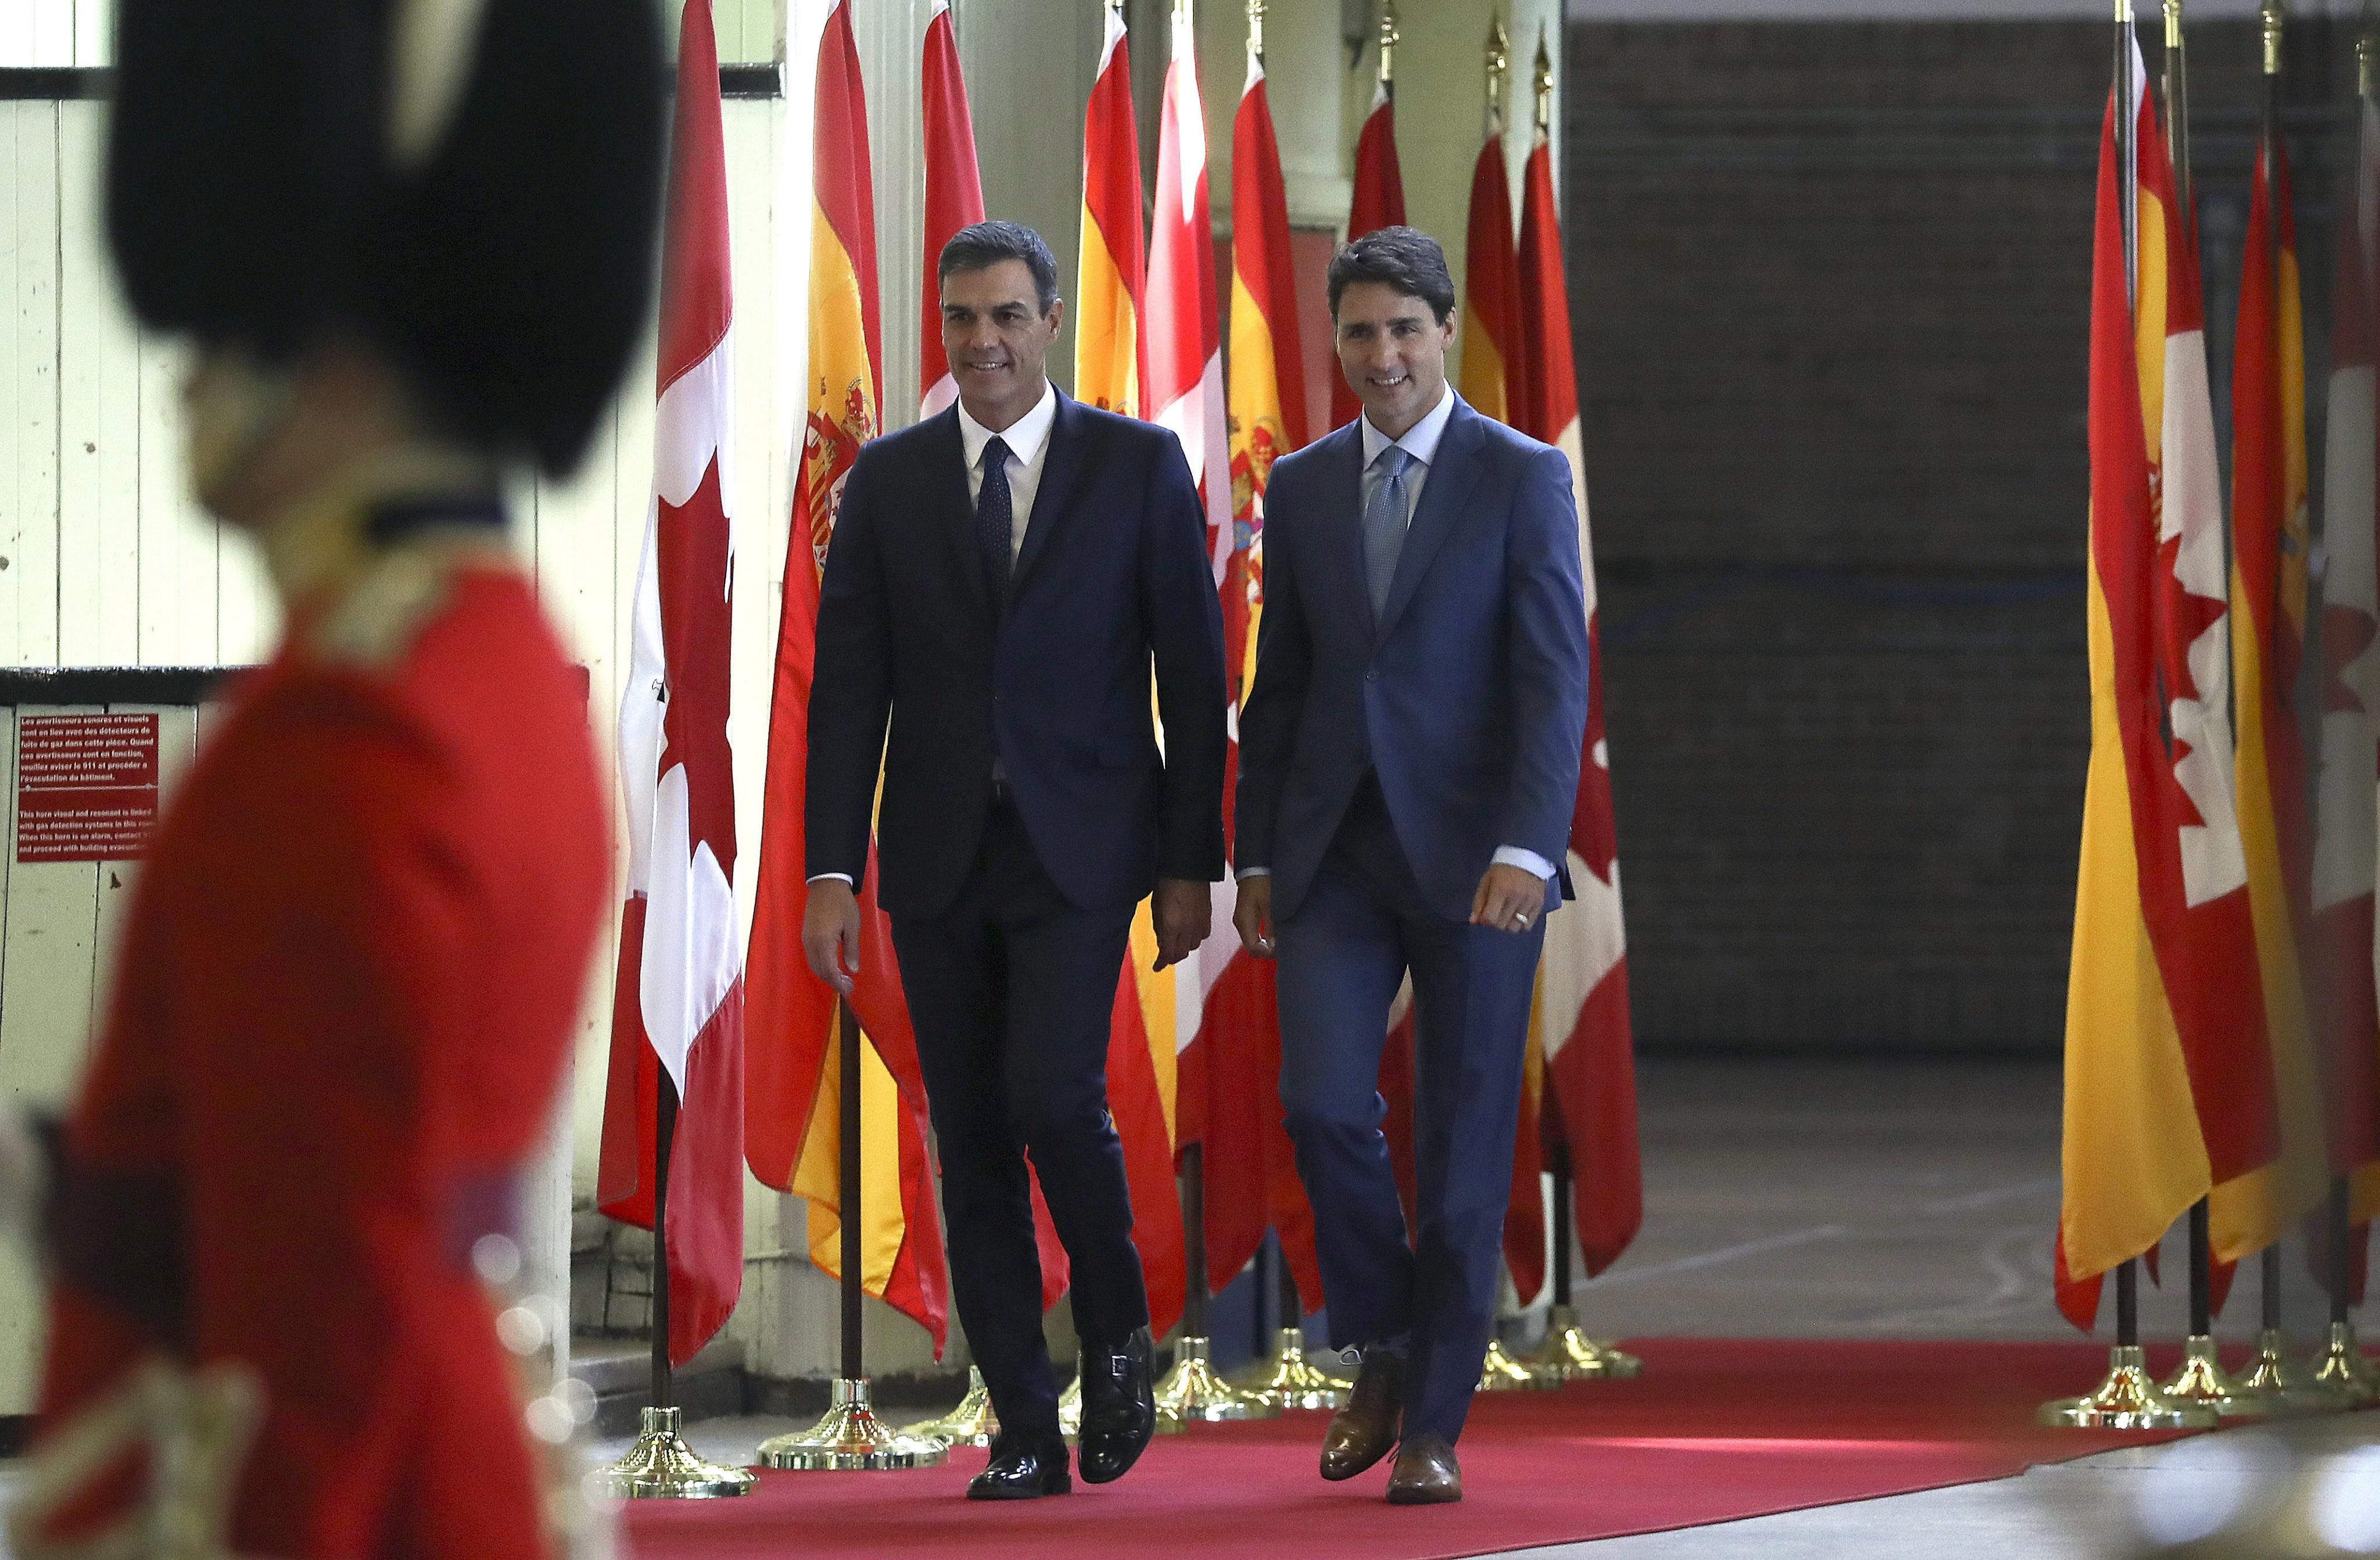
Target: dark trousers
pixel 1362 926
pixel 1011 992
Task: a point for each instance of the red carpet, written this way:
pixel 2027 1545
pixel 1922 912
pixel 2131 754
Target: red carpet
pixel 1712 1432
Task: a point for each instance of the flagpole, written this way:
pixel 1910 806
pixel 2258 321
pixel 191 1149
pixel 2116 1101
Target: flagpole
pixel 661 1466
pixel 850 1438
pixel 1567 1349
pixel 1289 1380
pixel 2177 111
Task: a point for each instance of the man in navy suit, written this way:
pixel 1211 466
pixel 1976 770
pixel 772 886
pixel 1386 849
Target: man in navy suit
pixel 1001 580
pixel 1408 762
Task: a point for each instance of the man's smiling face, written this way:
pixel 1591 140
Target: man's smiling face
pixel 1392 349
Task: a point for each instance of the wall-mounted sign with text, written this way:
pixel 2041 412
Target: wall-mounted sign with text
pixel 86 786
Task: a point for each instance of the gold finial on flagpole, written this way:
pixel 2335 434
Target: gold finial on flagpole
pixel 2173 24
pixel 2365 48
pixel 2274 17
pixel 1390 37
pixel 1115 9
pixel 1545 85
pixel 1256 30
pixel 1500 70
pixel 1180 11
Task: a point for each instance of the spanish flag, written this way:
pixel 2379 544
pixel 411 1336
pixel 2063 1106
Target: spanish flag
pixel 2268 636
pixel 794 1082
pixel 1492 291
pixel 2170 1070
pixel 1494 380
pixel 1251 1176
pixel 1108 278
pixel 1109 372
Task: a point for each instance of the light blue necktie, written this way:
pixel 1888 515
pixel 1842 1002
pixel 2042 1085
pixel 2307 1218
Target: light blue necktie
pixel 1384 525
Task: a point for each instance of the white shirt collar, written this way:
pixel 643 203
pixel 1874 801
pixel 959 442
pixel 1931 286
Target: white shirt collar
pixel 1024 436
pixel 1420 440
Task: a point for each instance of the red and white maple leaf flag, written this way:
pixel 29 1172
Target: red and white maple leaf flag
pixel 679 1001
pixel 1582 1011
pixel 2340 946
pixel 954 197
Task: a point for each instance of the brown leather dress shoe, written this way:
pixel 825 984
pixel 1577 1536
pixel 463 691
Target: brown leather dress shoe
pixel 1365 1429
pixel 1426 1474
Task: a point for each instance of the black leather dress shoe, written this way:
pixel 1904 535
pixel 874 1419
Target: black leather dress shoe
pixel 1021 1468
pixel 1119 1409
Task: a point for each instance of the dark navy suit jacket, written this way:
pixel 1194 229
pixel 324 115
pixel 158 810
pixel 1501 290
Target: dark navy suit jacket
pixel 1113 577
pixel 1468 697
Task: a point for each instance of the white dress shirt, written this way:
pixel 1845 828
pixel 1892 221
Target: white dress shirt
pixel 1028 448
pixel 1420 441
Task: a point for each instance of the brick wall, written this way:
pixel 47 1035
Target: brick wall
pixel 1832 286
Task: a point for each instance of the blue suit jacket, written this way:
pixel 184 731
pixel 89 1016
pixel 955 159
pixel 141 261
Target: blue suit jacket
pixel 1114 579
pixel 1468 697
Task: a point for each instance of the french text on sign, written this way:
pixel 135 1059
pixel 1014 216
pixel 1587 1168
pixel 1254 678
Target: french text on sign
pixel 86 786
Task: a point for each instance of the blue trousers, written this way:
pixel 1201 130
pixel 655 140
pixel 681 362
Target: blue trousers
pixel 1362 927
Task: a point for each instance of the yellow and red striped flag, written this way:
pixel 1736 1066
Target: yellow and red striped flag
pixel 2268 632
pixel 2347 1014
pixel 1108 275
pixel 1109 372
pixel 1251 1178
pixel 794 1081
pixel 1491 378
pixel 1580 1021
pixel 2168 1070
pixel 678 1005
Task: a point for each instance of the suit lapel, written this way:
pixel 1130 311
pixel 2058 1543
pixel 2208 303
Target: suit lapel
pixel 1343 517
pixel 1060 468
pixel 950 460
pixel 1443 495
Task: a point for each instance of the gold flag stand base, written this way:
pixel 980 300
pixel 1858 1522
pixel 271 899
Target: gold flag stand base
pixel 1500 1373
pixel 850 1439
pixel 661 1466
pixel 972 1423
pixel 2344 1370
pixel 2274 1387
pixel 2202 1379
pixel 2128 1399
pixel 1567 1349
pixel 1289 1380
pixel 1192 1391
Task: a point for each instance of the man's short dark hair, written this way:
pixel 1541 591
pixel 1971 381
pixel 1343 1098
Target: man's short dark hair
pixel 986 244
pixel 1403 258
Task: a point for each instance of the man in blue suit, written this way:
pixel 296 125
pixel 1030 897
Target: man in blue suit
pixel 1003 579
pixel 1408 763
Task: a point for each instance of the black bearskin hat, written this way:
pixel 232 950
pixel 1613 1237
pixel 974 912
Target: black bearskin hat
pixel 471 185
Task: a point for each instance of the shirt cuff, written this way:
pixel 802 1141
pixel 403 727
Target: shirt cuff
pixel 1527 861
pixel 844 878
pixel 1246 872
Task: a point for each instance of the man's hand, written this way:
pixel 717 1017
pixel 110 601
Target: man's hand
pixel 1508 898
pixel 830 932
pixel 1183 911
pixel 1253 915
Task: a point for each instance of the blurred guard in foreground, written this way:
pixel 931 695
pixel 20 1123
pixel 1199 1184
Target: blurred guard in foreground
pixel 410 242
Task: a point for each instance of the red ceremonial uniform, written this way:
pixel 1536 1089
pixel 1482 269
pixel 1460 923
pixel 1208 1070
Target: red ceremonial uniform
pixel 342 1013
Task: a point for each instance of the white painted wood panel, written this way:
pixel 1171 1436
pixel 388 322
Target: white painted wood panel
pixel 99 418
pixel 29 531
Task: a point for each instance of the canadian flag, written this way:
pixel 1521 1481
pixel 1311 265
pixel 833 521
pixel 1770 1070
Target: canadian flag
pixel 679 1004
